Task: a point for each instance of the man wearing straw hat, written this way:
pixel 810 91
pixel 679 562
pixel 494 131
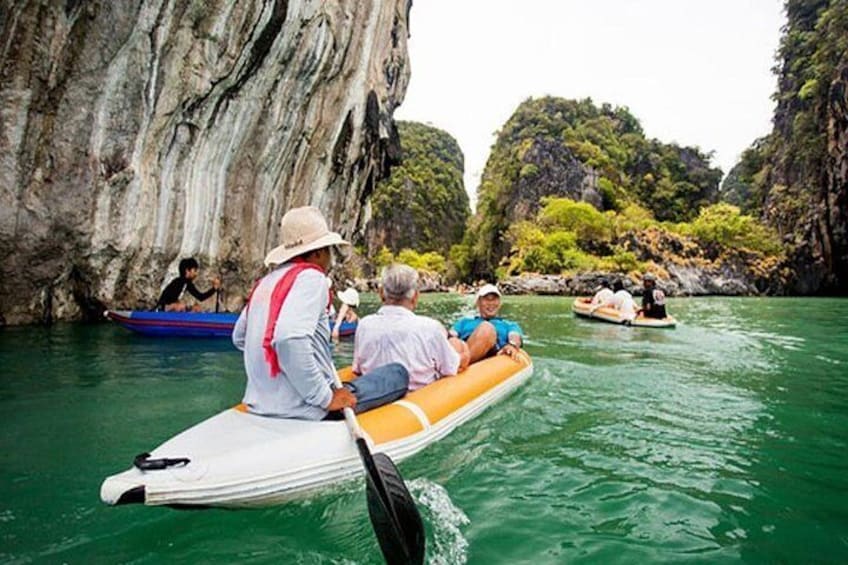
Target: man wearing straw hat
pixel 284 331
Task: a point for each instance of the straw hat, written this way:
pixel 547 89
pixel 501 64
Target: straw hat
pixel 349 296
pixel 301 230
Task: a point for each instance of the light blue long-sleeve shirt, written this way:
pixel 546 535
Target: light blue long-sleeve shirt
pixel 302 342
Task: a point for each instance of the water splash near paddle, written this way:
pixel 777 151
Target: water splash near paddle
pixel 447 545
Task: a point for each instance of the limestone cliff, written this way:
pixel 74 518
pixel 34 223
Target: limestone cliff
pixel 136 132
pixel 807 178
pixel 798 175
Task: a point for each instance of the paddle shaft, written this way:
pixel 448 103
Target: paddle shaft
pixel 350 416
pixel 394 516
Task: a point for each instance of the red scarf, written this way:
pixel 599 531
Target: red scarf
pixel 278 296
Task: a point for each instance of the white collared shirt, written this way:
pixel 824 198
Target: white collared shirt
pixel 603 296
pixel 624 303
pixel 395 334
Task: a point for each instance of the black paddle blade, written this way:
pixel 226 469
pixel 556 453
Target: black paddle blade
pixel 393 512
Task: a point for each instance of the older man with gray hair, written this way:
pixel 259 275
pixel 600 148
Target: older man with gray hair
pixel 395 334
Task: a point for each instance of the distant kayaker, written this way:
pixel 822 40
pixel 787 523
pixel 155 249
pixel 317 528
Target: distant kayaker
pixel 395 334
pixel 284 331
pixel 487 333
pixel 653 298
pixel 603 296
pixel 347 311
pixel 623 301
pixel 169 300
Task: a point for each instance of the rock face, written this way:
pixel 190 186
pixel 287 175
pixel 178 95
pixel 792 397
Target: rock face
pixel 134 133
pixel 681 281
pixel 798 175
pixel 549 168
pixel 691 269
pixel 740 187
pixel 807 199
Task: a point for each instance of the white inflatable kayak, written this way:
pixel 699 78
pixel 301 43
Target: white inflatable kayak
pixel 237 459
pixel 582 307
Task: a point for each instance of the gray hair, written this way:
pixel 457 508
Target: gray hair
pixel 399 282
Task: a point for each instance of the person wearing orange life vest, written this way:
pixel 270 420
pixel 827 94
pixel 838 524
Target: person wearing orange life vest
pixel 284 332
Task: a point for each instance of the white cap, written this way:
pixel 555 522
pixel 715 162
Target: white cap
pixel 349 296
pixel 488 289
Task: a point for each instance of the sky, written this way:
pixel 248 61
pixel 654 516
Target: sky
pixel 694 72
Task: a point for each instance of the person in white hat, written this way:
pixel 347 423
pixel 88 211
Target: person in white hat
pixel 487 333
pixel 347 311
pixel 395 333
pixel 284 332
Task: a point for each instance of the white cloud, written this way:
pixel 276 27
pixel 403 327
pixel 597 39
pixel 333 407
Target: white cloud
pixel 693 72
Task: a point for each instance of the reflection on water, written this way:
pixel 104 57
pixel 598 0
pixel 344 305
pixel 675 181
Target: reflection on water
pixel 722 440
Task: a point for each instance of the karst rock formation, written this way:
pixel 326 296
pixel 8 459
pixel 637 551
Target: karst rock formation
pixel 137 132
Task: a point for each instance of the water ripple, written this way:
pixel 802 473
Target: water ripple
pixel 720 441
pixel 447 546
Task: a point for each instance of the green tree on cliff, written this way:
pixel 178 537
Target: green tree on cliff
pixel 568 236
pixel 743 186
pixel 573 148
pixel 423 205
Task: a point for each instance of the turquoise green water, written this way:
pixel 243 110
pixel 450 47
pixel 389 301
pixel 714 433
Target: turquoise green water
pixel 721 441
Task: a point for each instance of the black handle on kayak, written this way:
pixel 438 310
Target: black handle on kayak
pixel 143 462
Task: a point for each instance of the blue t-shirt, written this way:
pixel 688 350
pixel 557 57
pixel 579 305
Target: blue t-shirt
pixel 466 326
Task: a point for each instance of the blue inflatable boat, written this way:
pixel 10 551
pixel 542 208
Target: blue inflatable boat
pixel 187 324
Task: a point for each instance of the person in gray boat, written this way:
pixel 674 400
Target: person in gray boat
pixel 347 311
pixel 284 332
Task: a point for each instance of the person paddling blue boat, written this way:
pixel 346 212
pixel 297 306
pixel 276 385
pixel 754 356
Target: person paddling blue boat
pixel 487 333
pixel 170 299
